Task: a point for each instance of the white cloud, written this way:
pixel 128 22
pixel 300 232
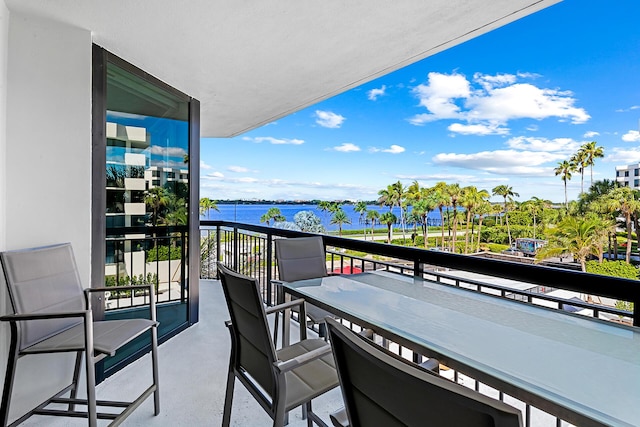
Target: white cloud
pixel 347 147
pixel 373 94
pixel 238 169
pixel 631 136
pixel 489 82
pixel 213 175
pixel 167 151
pixel 478 129
pixel 591 134
pixel 492 101
pixel 502 162
pixel 203 165
pixel 624 110
pixel 393 149
pixel 564 145
pixel 275 141
pixel 328 119
pixel 623 155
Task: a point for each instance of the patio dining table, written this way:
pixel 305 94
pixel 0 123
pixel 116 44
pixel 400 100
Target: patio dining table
pixel 583 370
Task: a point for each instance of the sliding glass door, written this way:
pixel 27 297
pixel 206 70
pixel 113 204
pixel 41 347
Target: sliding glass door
pixel 144 196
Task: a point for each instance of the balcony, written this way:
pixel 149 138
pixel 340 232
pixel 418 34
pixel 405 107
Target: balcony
pixel 193 364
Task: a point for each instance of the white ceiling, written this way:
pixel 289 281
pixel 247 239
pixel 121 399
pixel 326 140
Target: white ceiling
pixel 252 62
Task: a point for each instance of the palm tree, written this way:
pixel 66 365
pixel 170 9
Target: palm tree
pixel 578 162
pixel 273 214
pixel 592 152
pixel 156 198
pixel 564 169
pixel 400 198
pixel 389 219
pixel 482 209
pixel 442 199
pixel 574 235
pixel 361 208
pixel 471 197
pixel 206 204
pixel 389 197
pixel 422 208
pixel 455 194
pixel 340 217
pixel 373 215
pixel 623 199
pixel 535 206
pixel 508 194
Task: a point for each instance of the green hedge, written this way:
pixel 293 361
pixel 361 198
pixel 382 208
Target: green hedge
pixel 613 268
pixel 162 253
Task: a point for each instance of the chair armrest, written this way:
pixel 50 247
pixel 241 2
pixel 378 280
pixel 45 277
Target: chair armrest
pixel 283 306
pixel 152 295
pixel 43 316
pixel 288 365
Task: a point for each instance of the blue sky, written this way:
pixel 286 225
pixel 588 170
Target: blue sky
pixel 503 108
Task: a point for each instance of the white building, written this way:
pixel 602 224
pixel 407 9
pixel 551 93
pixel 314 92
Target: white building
pixel 629 175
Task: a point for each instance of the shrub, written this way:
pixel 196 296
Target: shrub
pixel 162 253
pixel 613 268
pixel 496 247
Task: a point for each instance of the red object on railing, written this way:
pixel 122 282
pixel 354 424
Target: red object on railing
pixel 347 269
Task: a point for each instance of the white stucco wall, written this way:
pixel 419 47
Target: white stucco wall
pixel 49 137
pixel 4 46
pixel 46 172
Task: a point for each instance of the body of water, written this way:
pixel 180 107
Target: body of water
pixel 250 214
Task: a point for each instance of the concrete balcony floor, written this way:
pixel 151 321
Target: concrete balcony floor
pixel 193 367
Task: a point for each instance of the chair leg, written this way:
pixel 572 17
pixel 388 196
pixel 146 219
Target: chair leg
pixel 76 378
pixel 90 370
pixel 308 411
pixel 9 376
pixel 228 398
pixel 154 367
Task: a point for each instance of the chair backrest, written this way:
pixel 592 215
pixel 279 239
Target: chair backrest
pixel 43 280
pixel 301 258
pixel 378 389
pixel 253 349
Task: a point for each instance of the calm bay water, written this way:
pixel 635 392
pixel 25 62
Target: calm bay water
pixel 250 214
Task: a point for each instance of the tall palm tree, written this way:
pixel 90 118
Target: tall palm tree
pixel 400 194
pixel 506 191
pixel 535 206
pixel 442 199
pixel 592 152
pixel 482 209
pixel 340 217
pixel 564 169
pixel 455 194
pixel 579 162
pixel 471 197
pixel 422 208
pixel 389 197
pixel 361 208
pixel 373 216
pixel 388 218
pixel 206 205
pixel 623 200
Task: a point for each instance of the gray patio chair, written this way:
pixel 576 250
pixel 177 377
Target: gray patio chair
pixel 279 380
pixel 303 258
pixel 52 314
pixel 380 390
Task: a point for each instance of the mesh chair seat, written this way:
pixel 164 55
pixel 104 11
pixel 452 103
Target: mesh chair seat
pixel 108 337
pixel 310 380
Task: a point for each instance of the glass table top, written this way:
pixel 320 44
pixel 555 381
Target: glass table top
pixel 588 366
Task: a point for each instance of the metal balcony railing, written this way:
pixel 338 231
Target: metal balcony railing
pixel 249 249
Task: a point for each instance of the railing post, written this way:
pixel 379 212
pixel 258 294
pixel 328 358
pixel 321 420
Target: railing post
pixel 235 248
pixel 636 313
pixel 269 267
pixel 418 268
pixel 183 245
pixel 218 257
